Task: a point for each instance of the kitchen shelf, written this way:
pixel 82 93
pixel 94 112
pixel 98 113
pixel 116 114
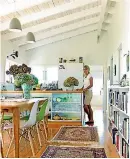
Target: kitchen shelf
pixel 67 112
pixel 119 132
pixel 118 109
pixel 124 138
pixel 67 102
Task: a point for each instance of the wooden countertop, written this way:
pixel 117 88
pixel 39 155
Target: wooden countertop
pixel 44 91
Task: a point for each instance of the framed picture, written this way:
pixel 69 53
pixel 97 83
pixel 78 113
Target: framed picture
pixel 80 59
pixel 114 70
pixel 127 62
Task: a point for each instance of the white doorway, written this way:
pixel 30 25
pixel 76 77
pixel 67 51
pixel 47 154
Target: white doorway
pixel 97 73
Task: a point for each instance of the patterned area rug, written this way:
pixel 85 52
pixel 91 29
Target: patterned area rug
pixel 76 135
pixel 73 152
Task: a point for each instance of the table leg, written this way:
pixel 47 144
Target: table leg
pixel 16 120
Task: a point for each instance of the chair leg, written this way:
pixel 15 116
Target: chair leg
pixel 31 143
pixel 9 147
pixel 39 138
pixel 45 129
pixel 2 155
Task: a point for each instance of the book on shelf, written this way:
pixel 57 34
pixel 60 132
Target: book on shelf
pixel 114 131
pixel 119 127
pixel 124 102
pixel 117 141
pixel 125 149
pixel 116 118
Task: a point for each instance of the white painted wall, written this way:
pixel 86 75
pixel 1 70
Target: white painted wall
pixel 119 33
pixel 7 48
pixel 84 45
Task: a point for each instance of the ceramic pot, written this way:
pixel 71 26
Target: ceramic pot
pixel 26 90
pixel 71 88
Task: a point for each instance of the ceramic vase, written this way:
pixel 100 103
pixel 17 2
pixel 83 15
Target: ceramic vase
pixel 71 88
pixel 26 90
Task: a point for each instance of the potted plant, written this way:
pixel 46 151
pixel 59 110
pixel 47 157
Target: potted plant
pixel 18 69
pixel 70 82
pixel 26 81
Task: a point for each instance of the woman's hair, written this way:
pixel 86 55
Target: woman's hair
pixel 87 68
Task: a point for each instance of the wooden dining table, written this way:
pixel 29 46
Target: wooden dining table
pixel 15 107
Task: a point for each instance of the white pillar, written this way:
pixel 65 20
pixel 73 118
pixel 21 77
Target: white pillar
pixel 4 49
pixel 2 68
pixel 105 89
pixel 2 62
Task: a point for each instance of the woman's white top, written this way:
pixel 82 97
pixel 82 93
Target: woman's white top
pixel 87 81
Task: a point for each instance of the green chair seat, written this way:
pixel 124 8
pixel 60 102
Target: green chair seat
pixel 6 117
pixel 40 114
pixel 25 118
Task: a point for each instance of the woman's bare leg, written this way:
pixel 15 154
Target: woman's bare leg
pixel 90 114
pixel 86 109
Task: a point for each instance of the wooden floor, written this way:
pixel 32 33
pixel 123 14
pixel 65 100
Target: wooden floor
pixel 53 127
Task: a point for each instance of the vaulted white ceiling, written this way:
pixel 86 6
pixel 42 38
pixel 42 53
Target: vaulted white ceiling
pixel 49 18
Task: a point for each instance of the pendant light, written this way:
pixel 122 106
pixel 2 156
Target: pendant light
pixel 15 24
pixel 30 38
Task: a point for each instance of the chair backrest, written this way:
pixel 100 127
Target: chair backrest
pixel 41 114
pixel 32 118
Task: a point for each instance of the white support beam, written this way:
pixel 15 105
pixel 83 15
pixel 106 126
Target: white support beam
pixel 53 23
pixel 114 0
pixel 45 13
pixel 104 7
pixel 8 8
pixel 43 35
pixel 62 37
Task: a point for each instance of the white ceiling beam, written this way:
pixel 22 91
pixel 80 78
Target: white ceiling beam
pixel 43 35
pixel 8 8
pixel 114 0
pixel 52 23
pixel 103 10
pixel 62 37
pixel 48 12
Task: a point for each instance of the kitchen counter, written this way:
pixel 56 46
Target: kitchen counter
pixel 45 91
pixel 62 105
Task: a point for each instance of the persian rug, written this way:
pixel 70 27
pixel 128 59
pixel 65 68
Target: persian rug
pixel 73 152
pixel 76 135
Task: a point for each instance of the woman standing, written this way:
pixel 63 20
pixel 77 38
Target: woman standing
pixel 87 89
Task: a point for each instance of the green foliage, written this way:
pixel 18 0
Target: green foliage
pixel 71 81
pixel 15 69
pixel 35 79
pixel 22 78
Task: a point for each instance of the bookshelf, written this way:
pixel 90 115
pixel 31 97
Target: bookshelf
pixel 118 118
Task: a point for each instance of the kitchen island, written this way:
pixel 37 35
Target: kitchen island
pixel 62 105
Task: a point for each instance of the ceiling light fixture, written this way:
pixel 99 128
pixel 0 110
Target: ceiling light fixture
pixel 15 24
pixel 30 37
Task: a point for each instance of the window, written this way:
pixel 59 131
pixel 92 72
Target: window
pixel 45 74
pixel 51 74
pixel 9 78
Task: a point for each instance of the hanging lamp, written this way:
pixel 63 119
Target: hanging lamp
pixel 30 38
pixel 15 24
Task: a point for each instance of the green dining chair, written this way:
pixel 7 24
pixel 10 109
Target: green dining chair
pixel 7 118
pixel 39 118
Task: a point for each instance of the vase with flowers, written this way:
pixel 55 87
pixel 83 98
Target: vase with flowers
pixel 70 82
pixel 26 81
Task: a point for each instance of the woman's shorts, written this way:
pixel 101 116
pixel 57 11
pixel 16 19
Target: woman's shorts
pixel 88 97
